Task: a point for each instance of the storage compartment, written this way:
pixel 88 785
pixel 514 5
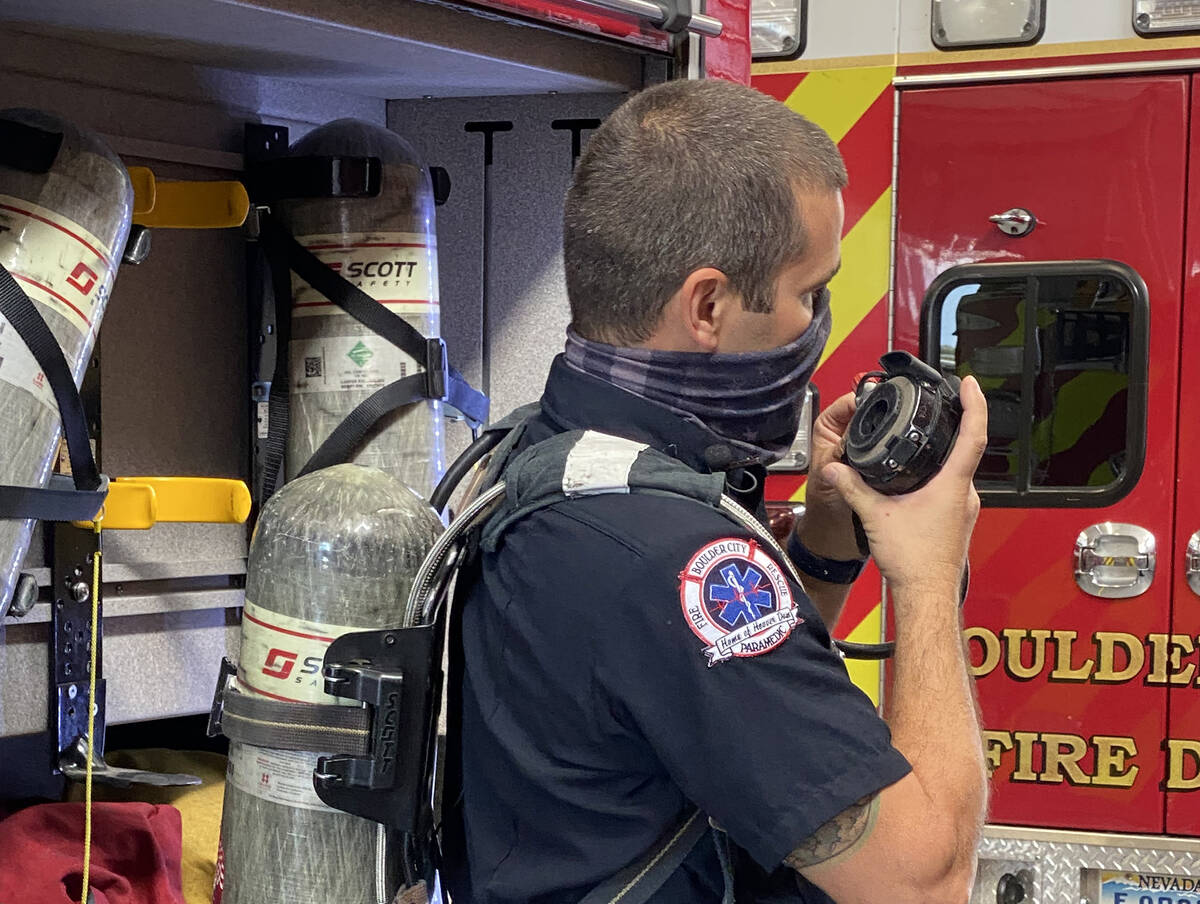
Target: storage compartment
pixel 172 85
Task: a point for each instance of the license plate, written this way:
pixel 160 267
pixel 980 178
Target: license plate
pixel 1148 888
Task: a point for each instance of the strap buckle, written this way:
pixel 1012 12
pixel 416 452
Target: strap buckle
pixel 227 673
pixel 395 673
pixel 437 369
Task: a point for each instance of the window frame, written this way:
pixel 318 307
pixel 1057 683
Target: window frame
pixel 950 47
pixel 801 41
pixel 1139 359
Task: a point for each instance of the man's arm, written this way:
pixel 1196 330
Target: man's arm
pixel 825 528
pixel 922 847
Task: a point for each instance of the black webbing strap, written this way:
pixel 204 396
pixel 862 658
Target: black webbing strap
pixel 279 401
pixel 89 487
pixel 346 437
pixel 333 730
pixel 317 176
pixel 641 879
pixel 439 381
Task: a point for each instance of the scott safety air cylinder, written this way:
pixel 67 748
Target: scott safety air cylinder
pixel 334 551
pixel 65 209
pixel 386 246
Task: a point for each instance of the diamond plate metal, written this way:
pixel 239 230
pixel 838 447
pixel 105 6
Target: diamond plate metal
pixel 1063 867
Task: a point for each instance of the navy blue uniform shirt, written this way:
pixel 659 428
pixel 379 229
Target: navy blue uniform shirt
pixel 592 719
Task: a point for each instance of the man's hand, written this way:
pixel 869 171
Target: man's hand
pixel 924 844
pixel 919 540
pixel 826 528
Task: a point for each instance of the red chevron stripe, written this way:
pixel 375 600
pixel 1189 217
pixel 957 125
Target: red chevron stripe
pixel 867 149
pixel 863 598
pixel 778 86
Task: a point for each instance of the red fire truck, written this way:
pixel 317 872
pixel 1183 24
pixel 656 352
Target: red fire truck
pixel 1021 208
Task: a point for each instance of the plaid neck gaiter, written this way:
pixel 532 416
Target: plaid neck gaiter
pixel 752 399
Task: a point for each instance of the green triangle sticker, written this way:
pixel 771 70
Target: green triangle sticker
pixel 360 354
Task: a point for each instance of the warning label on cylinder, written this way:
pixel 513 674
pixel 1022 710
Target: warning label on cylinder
pixel 398 269
pixel 347 363
pixel 56 263
pixel 280 776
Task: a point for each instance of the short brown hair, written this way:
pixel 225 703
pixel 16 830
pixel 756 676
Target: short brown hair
pixel 685 175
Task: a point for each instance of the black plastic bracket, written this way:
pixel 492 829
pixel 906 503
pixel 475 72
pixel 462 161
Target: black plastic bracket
pixel 261 141
pixel 70 640
pixel 28 148
pixel 679 16
pixel 315 177
pixel 440 178
pixel 397 673
pixel 437 368
pixel 70 550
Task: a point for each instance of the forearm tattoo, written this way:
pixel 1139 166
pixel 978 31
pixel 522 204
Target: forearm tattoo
pixel 839 836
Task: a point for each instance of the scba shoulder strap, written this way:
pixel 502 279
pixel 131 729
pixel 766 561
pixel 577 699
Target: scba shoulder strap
pixel 438 381
pixel 576 465
pixel 81 495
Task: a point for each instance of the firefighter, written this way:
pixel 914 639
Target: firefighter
pixel 632 658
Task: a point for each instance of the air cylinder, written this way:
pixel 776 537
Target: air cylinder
pixel 333 552
pixel 65 209
pixel 386 246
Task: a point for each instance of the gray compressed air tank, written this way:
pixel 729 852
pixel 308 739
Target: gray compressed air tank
pixel 334 551
pixel 386 246
pixel 62 233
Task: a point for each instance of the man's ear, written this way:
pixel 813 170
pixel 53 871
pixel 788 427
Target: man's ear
pixel 705 305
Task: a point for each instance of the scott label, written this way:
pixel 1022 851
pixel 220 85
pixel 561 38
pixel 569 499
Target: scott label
pixel 282 657
pixel 398 269
pixel 59 265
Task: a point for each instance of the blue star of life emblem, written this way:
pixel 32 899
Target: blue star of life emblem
pixel 736 600
pixel 740 597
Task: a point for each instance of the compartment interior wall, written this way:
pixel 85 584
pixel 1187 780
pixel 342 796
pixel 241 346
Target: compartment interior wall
pixel 173 347
pixel 504 304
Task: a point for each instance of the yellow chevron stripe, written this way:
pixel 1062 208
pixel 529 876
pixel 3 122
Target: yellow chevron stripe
pixel 865 673
pixel 863 279
pixel 836 100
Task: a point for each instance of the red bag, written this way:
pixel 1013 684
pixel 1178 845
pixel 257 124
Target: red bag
pixel 135 854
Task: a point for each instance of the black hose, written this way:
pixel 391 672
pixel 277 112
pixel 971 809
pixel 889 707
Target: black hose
pixel 875 651
pixel 462 466
pixel 878 651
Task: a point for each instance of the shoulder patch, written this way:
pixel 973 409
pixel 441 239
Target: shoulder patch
pixel 736 600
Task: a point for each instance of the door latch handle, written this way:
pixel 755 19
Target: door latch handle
pixel 1191 563
pixel 1115 561
pixel 1016 221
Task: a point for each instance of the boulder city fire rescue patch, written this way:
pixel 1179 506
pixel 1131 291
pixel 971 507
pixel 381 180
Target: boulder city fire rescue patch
pixel 737 600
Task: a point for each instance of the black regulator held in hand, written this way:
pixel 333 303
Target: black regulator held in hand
pixel 905 425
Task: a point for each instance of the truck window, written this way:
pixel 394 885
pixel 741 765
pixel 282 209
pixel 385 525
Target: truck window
pixel 1060 351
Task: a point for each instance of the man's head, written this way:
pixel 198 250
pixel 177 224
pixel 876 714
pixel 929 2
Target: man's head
pixel 703 216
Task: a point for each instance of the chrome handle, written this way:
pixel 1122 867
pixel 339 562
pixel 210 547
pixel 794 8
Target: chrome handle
pixel 1016 221
pixel 1115 561
pixel 659 14
pixel 1191 564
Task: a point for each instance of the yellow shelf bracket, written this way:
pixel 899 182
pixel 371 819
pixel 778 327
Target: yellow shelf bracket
pixel 186 204
pixel 138 503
